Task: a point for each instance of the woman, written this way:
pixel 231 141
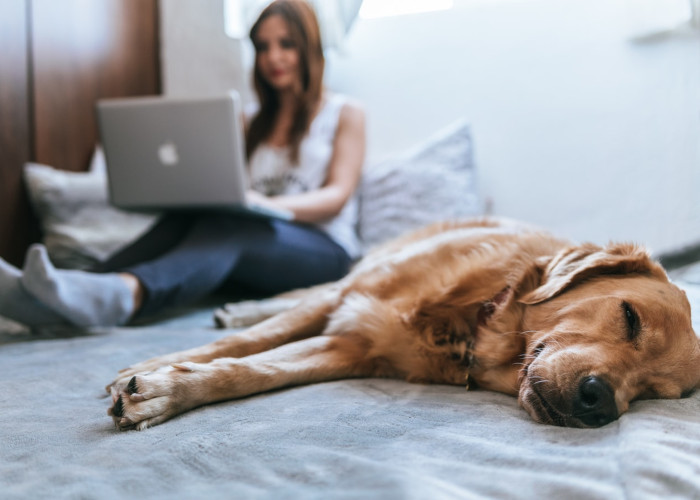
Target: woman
pixel 305 150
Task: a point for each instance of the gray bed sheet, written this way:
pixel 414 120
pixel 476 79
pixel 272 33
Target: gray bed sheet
pixel 348 439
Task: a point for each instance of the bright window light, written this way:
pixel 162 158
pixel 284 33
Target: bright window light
pixel 651 16
pixel 385 8
pixel 233 19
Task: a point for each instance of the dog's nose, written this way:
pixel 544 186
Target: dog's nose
pixel 594 404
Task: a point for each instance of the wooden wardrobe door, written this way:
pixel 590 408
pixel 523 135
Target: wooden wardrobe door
pixel 16 224
pixel 84 50
pixel 57 57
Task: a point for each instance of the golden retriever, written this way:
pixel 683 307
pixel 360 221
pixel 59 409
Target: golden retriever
pixel 577 332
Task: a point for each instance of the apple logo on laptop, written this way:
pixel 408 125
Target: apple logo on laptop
pixel 167 154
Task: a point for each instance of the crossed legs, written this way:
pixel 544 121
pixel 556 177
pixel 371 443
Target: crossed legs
pixel 180 260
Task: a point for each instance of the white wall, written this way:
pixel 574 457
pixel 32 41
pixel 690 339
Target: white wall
pixel 576 127
pixel 197 57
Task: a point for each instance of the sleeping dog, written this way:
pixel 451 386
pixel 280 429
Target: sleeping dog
pixel 576 332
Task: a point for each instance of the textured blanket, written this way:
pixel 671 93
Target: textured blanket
pixel 348 439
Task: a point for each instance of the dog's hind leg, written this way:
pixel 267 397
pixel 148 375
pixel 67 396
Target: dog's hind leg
pixel 153 397
pixel 250 312
pixel 305 320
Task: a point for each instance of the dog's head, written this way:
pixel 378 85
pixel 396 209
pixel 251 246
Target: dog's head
pixel 605 327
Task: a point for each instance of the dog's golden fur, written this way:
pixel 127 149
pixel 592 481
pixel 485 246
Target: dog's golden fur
pixel 575 331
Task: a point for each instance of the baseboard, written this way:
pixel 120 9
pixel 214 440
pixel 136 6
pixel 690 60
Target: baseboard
pixel 681 257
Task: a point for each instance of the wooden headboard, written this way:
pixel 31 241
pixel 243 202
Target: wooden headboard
pixel 57 59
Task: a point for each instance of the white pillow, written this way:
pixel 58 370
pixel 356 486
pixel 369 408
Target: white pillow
pixel 436 180
pixel 78 224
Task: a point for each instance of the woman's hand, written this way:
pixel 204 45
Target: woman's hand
pixel 253 197
pixel 258 199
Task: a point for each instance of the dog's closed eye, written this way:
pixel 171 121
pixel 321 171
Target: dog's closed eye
pixel 632 322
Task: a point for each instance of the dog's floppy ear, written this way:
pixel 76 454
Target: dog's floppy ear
pixel 575 264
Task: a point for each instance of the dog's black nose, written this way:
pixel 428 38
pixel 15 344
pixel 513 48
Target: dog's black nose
pixel 594 405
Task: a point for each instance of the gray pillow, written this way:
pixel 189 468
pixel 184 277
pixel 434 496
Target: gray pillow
pixel 78 224
pixel 435 180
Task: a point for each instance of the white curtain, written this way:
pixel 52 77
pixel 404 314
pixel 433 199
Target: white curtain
pixel 335 18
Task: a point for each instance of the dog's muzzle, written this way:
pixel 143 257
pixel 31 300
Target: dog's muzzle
pixel 591 403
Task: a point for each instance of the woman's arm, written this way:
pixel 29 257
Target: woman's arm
pixel 343 173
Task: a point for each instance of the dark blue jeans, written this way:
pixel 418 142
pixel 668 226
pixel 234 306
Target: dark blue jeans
pixel 185 257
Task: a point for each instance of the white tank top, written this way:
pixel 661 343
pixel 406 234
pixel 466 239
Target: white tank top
pixel 272 173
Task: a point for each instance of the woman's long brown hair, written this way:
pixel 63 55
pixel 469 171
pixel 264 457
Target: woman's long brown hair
pixel 305 33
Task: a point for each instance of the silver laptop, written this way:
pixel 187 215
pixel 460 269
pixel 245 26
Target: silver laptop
pixel 176 154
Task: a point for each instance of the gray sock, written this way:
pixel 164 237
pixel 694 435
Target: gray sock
pixel 83 298
pixel 18 305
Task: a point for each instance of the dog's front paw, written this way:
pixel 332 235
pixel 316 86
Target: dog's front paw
pixel 150 398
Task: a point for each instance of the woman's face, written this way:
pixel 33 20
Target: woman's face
pixel 277 55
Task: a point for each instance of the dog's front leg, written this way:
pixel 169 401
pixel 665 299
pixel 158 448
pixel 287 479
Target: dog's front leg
pixel 153 397
pixel 306 320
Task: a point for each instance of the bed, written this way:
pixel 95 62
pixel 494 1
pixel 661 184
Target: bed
pixel 368 438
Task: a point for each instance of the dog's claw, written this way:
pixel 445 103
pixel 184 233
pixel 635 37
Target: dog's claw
pixel 183 367
pixel 118 408
pixel 132 387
